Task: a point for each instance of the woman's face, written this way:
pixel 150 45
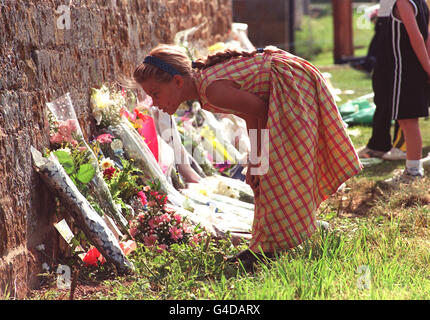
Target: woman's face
pixel 165 95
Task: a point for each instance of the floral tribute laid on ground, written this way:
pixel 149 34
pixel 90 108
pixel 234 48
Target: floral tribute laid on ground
pixel 123 187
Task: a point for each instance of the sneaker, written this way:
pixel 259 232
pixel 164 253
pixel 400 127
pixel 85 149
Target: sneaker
pixel 365 152
pixel 426 162
pixel 394 154
pixel 402 176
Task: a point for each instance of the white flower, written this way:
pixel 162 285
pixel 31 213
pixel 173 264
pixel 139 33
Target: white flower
pixel 226 190
pixel 45 266
pixel 106 163
pixel 100 99
pixel 40 247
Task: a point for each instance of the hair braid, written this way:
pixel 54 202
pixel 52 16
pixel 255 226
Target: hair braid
pixel 220 57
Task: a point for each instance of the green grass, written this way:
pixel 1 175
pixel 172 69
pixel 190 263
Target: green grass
pixel 314 40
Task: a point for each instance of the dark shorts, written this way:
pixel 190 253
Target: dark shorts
pixel 404 96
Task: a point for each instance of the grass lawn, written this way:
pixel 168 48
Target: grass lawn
pixel 377 248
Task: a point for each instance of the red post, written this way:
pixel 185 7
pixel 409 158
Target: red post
pixel 343 34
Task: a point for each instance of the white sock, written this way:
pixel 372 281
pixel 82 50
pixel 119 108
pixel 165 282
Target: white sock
pixel 415 167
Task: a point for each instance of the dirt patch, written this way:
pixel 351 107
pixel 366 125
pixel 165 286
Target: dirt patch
pixel 414 200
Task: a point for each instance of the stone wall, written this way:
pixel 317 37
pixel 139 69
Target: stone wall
pixel 41 58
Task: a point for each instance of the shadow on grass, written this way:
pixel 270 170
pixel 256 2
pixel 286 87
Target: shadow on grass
pixel 384 169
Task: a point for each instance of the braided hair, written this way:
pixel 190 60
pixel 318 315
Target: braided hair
pixel 177 58
pixel 228 54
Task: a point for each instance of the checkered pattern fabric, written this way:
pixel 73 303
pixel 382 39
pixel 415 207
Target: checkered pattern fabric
pixel 310 153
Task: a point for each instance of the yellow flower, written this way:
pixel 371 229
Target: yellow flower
pixel 203 192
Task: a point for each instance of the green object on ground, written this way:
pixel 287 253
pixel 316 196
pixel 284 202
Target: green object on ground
pixel 357 112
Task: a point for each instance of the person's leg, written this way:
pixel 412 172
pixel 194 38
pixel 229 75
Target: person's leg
pixel 411 131
pixel 381 125
pixel 414 142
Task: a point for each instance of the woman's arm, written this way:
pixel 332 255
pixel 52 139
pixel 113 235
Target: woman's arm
pixel 225 94
pixel 406 13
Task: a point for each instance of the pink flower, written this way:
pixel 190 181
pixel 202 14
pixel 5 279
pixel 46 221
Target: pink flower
pixel 56 138
pixel 150 240
pixel 142 197
pixel 165 218
pixel 153 223
pixel 195 239
pixel 105 138
pixel 72 124
pixel 175 233
pixel 186 228
pixel 161 248
pixel 64 130
pixel 82 149
pixel 133 231
pixel 177 217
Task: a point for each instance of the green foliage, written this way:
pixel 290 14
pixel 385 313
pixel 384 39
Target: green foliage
pixel 76 166
pixel 125 183
pixel 65 160
pixel 86 173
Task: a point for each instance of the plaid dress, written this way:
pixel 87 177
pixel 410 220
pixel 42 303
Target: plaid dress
pixel 310 153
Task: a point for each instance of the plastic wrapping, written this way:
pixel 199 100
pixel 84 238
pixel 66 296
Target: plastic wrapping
pixel 233 218
pixel 230 151
pixel 136 148
pixel 62 109
pixel 91 223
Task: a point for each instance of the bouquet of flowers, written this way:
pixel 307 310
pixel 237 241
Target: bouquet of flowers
pixel 158 227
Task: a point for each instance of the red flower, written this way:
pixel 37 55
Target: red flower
pixel 109 172
pixel 142 197
pixel 92 258
pixel 139 114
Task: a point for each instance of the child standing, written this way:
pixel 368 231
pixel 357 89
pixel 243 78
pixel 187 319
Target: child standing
pixel 310 155
pixel 379 145
pixel 401 76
